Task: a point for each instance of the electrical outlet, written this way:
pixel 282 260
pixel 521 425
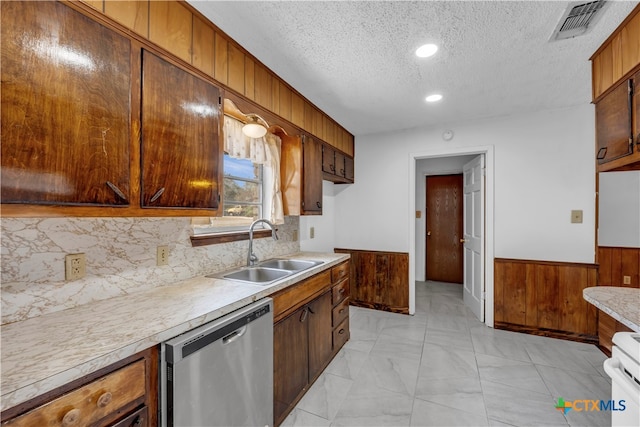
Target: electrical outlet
pixel 162 255
pixel 312 232
pixel 295 235
pixel 75 266
pixel 626 280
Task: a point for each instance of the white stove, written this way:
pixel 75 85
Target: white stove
pixel 624 369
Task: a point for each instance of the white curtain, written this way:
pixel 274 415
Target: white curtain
pixel 264 151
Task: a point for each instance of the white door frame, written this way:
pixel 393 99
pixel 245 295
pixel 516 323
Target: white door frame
pixel 488 151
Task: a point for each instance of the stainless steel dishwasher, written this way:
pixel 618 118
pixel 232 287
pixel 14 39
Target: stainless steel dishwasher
pixel 221 373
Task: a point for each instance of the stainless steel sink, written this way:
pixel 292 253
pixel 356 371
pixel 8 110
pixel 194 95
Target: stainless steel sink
pixel 267 271
pixel 258 275
pixel 289 264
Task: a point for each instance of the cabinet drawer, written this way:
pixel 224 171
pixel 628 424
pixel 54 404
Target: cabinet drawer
pixel 295 296
pixel 136 419
pixel 340 291
pixel 90 403
pixel 341 335
pixel 339 271
pixel 340 312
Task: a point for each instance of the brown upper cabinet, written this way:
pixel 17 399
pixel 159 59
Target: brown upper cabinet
pixel 301 175
pixel 336 166
pixel 616 80
pixel 181 150
pixel 65 108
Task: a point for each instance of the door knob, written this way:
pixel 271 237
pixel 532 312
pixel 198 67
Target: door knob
pixel 428 233
pixel 462 240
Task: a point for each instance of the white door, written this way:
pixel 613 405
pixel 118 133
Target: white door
pixel 473 229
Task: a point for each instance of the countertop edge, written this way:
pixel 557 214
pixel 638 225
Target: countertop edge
pixel 595 296
pixel 37 387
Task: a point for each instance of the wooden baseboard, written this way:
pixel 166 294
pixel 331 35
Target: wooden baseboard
pixel 552 333
pixel 382 307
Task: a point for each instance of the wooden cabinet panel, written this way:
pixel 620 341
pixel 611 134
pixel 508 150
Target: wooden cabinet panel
pixel 613 125
pixel 170 26
pixel 65 107
pixel 297 110
pixel 285 101
pixel 236 68
pixel 293 297
pixel 262 86
pixel 630 44
pixel 96 4
pixel 339 272
pixel 329 130
pixel 320 334
pixel 312 177
pixel 221 65
pixel 328 159
pixel 132 14
pixel 379 280
pixel 290 362
pixel 249 78
pixel 203 46
pixel 275 95
pixel 635 108
pixel 575 313
pixel 180 137
pixel 349 170
pixel 341 311
pixel 341 334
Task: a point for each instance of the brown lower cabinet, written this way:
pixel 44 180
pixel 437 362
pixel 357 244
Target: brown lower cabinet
pixel 311 323
pixel 121 395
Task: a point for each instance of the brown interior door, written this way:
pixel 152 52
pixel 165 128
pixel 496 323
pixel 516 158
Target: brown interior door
pixel 444 254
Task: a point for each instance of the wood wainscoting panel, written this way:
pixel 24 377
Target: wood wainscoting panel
pixel 379 280
pixel 545 298
pixel 614 264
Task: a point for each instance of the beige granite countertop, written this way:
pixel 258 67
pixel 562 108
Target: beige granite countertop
pixel 623 304
pixel 45 352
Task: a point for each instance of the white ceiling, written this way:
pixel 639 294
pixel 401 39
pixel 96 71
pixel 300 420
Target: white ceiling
pixel 355 60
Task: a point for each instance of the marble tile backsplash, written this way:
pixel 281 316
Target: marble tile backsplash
pixel 120 257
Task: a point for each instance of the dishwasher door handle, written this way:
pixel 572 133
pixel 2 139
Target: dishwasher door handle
pixel 235 335
pixel 615 370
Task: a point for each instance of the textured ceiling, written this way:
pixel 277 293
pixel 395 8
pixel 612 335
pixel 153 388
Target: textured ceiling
pixel 356 62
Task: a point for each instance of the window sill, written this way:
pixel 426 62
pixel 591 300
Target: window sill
pixel 234 236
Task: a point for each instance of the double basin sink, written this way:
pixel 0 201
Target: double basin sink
pixel 268 271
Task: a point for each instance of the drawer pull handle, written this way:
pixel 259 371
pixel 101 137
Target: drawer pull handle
pixel 341 291
pixel 157 195
pixel 104 399
pixel 71 418
pixel 341 331
pixel 341 311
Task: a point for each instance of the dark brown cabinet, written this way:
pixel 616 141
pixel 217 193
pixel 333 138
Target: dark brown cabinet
pixel 615 124
pixel 302 345
pixel 311 323
pixel 379 280
pixel 301 175
pixel 336 166
pixel 65 108
pixel 180 137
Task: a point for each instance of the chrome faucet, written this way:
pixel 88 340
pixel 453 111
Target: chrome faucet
pixel 251 257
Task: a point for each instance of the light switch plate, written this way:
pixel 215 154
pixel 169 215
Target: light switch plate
pixel 626 280
pixel 576 217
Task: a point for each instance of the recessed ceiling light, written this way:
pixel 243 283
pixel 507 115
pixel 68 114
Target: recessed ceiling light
pixel 426 50
pixel 434 98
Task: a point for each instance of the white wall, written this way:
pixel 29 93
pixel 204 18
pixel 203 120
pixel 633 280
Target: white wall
pixel 619 221
pixel 425 167
pixel 544 168
pixel 324 225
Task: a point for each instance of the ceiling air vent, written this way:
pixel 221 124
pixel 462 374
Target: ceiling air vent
pixel 578 19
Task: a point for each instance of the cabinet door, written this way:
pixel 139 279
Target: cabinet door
pixel 340 167
pixel 180 137
pixel 328 159
pixel 349 172
pixel 65 107
pixel 312 177
pixel 290 361
pixel 613 124
pixel 320 334
pixel 636 109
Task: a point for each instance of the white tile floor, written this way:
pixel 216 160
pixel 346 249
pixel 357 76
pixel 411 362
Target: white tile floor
pixel 442 367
